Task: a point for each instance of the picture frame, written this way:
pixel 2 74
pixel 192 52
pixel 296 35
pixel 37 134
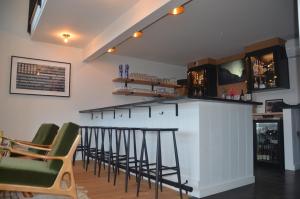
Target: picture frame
pixel 29 76
pixel 273 105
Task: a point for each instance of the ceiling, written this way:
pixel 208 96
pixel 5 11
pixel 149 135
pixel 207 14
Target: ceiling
pixel 208 28
pixel 213 28
pixel 84 19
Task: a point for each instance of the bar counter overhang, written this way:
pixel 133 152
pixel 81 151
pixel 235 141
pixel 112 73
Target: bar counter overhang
pixel 215 138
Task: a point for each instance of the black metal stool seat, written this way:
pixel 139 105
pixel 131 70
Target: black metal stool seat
pixel 159 168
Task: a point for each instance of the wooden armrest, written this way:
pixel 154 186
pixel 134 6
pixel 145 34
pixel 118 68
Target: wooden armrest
pixel 33 144
pixel 6 138
pixel 30 146
pixel 33 155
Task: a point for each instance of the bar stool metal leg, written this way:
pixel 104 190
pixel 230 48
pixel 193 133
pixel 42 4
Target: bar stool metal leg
pixel 89 148
pixel 135 155
pixel 95 155
pixel 79 149
pixel 141 165
pixel 118 141
pixel 158 165
pixel 102 152
pixel 127 160
pixel 177 163
pixel 86 147
pixel 147 163
pixel 110 154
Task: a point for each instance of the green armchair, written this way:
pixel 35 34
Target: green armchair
pixel 29 175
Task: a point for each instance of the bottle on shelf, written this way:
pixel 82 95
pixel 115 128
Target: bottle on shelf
pixel 121 71
pixel 262 83
pixel 126 71
pixel 242 96
pixel 256 82
pixel 248 96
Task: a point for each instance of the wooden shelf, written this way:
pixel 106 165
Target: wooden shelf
pixel 145 82
pixel 268 114
pixel 145 94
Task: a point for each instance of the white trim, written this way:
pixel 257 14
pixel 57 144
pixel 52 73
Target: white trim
pixel 37 16
pixel 218 188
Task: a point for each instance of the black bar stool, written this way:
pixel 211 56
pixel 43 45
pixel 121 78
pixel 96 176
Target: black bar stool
pixel 107 156
pixel 159 168
pixel 143 163
pixel 101 156
pixel 80 148
pixel 126 161
pixel 92 151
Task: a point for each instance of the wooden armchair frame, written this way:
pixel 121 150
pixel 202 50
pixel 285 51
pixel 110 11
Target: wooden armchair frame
pixel 65 171
pixel 27 143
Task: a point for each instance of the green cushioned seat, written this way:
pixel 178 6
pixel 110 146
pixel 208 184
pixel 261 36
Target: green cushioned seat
pixel 62 144
pixel 26 172
pixel 14 170
pixel 44 136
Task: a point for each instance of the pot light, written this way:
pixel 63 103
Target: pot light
pixel 177 11
pixel 66 37
pixel 137 34
pixel 111 50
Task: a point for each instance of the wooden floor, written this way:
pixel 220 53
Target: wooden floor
pixel 269 184
pixel 99 188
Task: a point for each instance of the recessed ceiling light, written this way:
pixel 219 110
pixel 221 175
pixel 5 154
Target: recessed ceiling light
pixel 177 11
pixel 66 37
pixel 137 34
pixel 111 50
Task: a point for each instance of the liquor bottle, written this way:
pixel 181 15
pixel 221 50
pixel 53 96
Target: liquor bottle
pixel 126 71
pixel 256 83
pixel 242 96
pixel 121 71
pixel 262 83
pixel 248 96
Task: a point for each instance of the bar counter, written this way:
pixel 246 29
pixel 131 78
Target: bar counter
pixel 214 138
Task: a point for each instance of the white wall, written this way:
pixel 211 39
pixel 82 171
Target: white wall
pixel 91 83
pixel 291 119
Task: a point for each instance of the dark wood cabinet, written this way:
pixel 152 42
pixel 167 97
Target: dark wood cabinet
pixel 268 69
pixel 202 81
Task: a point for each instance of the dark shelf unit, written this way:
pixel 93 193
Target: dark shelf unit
pixel 268 69
pixel 202 81
pixel 268 143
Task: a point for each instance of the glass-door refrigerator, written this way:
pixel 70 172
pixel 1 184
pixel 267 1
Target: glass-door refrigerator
pixel 268 143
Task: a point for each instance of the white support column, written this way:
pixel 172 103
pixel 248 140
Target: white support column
pixel 291 123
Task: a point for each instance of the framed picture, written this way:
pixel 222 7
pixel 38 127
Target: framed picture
pixel 39 77
pixel 274 105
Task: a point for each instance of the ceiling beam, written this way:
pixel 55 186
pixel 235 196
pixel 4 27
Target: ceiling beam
pixel 144 13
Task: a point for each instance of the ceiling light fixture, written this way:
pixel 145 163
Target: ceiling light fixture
pixel 66 37
pixel 111 50
pixel 177 11
pixel 138 34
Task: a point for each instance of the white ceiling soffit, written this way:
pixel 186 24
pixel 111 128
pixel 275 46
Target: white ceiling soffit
pixel 140 15
pixel 84 19
pixel 213 28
